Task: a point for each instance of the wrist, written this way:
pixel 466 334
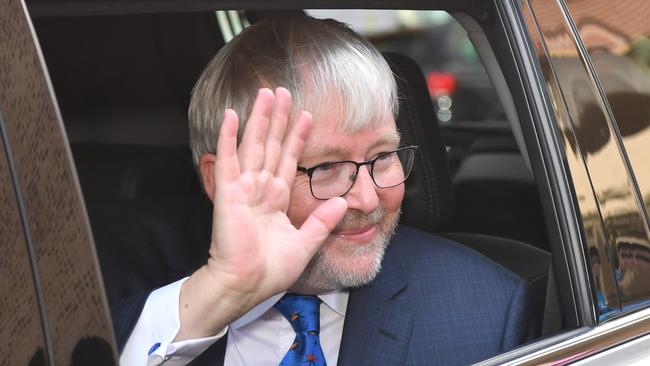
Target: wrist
pixel 206 307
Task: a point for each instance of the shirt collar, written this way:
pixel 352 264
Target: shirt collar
pixel 335 300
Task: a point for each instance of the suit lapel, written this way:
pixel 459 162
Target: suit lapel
pixel 377 329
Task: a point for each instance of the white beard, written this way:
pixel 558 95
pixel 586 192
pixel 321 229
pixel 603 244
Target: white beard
pixel 326 273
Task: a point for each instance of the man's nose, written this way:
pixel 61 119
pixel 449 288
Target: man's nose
pixel 363 194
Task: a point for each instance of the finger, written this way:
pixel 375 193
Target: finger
pixel 227 163
pixel 321 222
pixel 277 129
pixel 293 147
pixel 251 149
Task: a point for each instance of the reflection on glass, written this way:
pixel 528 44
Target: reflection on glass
pixel 605 291
pixel 594 257
pixel 593 153
pixel 616 37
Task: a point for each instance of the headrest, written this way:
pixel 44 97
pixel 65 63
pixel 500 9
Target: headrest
pixel 428 203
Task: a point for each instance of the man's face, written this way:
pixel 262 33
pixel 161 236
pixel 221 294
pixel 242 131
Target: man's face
pixel 351 256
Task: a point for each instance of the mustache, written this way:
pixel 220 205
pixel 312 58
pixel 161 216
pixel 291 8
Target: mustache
pixel 356 219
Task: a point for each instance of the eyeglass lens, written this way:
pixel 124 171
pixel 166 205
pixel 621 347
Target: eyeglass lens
pixel 387 170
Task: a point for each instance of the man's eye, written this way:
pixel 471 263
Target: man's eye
pixel 327 174
pixel 324 168
pixel 328 169
pixel 384 156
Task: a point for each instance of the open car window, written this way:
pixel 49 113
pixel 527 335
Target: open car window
pixel 126 121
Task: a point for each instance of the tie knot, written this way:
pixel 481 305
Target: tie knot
pixel 302 312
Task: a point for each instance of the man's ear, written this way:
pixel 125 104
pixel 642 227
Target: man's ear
pixel 206 168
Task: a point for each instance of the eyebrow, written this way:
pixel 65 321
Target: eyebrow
pixel 392 138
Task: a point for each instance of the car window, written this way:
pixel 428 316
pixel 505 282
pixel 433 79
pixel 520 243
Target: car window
pixel 618 43
pixel 126 122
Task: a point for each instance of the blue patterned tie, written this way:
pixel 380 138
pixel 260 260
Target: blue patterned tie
pixel 303 312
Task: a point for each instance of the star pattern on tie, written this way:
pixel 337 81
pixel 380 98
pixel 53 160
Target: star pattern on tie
pixel 312 359
pixel 303 313
pixel 294 316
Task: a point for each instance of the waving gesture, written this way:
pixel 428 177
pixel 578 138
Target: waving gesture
pixel 255 252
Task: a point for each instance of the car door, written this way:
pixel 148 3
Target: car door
pixel 598 119
pixel 23 328
pixel 53 309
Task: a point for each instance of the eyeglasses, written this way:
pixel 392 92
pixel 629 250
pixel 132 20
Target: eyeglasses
pixel 335 179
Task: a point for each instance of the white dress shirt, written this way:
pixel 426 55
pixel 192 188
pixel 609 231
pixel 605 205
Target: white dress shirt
pixel 260 337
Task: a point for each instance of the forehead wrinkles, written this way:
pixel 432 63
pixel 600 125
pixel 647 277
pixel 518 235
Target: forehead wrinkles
pixel 322 146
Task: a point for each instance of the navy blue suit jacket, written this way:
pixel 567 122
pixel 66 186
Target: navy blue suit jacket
pixel 435 302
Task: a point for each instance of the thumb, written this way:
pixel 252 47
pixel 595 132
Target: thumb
pixel 321 222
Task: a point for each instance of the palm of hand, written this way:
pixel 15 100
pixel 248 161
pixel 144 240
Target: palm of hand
pixel 256 240
pixel 256 251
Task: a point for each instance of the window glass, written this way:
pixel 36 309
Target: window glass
pixel 592 156
pixel 456 79
pixel 445 87
pixel 616 35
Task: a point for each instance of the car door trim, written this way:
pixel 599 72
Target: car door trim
pixel 26 232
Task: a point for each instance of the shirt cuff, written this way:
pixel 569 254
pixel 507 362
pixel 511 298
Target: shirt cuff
pixel 181 353
pixel 151 343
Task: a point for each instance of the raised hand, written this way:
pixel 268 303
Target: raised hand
pixel 255 252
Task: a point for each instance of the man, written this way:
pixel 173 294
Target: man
pixel 307 205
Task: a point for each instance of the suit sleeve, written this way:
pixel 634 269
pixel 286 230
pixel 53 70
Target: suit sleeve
pixel 517 319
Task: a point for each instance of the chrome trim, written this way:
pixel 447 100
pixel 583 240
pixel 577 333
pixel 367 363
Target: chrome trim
pixel 592 341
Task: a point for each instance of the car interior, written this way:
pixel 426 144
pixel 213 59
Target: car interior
pixel 123 85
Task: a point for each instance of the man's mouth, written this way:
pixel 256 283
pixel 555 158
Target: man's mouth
pixel 361 234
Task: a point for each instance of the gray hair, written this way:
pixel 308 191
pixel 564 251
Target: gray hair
pixel 316 60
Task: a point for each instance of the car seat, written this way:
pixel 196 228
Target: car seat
pixel 428 203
